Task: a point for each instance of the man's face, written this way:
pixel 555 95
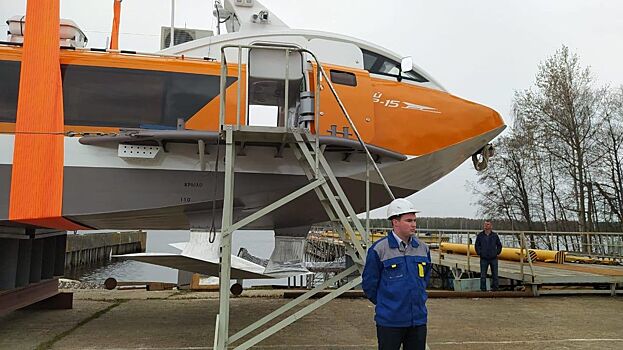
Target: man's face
pixel 405 224
pixel 488 226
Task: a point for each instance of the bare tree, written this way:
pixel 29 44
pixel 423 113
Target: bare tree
pixel 562 161
pixel 564 112
pixel 609 178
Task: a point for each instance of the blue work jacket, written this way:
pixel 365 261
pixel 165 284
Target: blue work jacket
pixel 395 280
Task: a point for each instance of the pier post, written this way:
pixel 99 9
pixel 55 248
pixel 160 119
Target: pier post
pixel 59 262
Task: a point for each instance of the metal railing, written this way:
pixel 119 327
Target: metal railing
pixel 594 244
pixel 598 245
pixel 320 73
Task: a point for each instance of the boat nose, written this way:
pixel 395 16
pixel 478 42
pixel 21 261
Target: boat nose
pixel 496 118
pixel 488 118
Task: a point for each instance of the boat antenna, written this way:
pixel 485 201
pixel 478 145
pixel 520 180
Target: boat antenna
pixel 218 7
pixel 172 43
pixel 218 17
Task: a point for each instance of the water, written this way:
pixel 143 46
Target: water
pixel 259 243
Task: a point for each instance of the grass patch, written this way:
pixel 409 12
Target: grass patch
pixel 48 344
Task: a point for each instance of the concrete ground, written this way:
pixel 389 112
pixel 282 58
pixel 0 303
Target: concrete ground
pixel 183 320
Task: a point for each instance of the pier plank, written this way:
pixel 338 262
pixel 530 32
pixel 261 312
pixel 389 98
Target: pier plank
pixel 541 273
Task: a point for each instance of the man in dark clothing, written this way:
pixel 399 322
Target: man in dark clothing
pixel 488 247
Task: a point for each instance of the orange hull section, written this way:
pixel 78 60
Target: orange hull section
pixel 399 116
pixel 37 172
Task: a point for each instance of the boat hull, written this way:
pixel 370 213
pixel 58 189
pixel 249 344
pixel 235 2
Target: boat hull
pixel 104 191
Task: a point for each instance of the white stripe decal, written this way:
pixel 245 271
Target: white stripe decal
pixel 579 340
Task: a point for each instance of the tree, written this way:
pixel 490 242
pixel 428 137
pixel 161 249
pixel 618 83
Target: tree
pixel 561 162
pixel 609 179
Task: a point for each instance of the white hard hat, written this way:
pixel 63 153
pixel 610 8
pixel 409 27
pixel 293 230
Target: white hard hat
pixel 400 206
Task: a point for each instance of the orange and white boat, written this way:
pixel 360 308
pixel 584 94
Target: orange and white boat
pixel 116 102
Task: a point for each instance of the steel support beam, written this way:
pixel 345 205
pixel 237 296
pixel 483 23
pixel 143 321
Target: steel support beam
pixel 277 204
pixel 291 304
pixel 20 297
pixel 324 198
pixel 36 259
pixel 48 258
pixel 228 211
pixel 299 314
pixel 23 264
pixel 332 198
pixel 9 258
pixel 59 261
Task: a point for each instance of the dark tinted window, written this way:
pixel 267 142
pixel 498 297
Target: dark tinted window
pixel 104 96
pixel 133 97
pixel 378 64
pixel 9 87
pixel 344 78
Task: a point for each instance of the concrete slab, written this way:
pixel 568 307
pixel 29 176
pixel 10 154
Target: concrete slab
pixel 577 322
pixel 27 329
pixel 186 321
pixel 183 324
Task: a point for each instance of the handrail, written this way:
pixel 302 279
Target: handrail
pixel 596 245
pixel 320 69
pixel 524 247
pixel 350 121
pixel 511 232
pixel 505 232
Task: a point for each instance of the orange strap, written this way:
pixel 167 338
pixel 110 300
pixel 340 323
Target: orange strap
pixel 37 175
pixel 114 37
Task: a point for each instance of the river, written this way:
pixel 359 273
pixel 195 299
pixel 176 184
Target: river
pixel 258 243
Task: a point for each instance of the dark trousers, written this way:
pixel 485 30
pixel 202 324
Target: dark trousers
pixel 484 265
pixel 411 338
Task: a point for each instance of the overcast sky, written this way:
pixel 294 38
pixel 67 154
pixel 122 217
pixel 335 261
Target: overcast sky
pixel 479 50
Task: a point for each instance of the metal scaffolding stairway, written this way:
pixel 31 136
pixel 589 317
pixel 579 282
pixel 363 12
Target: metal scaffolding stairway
pixel 339 210
pixel 322 181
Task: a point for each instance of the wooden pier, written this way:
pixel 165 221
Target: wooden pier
pixel 95 248
pixel 538 274
pixel 538 277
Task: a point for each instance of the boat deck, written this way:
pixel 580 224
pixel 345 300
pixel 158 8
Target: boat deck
pixel 541 273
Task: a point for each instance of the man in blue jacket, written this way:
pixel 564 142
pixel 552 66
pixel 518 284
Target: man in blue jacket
pixel 395 276
pixel 488 247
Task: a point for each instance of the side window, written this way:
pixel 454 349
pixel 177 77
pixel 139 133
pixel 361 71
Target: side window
pixel 389 67
pixel 344 78
pixel 378 64
pixel 141 98
pixel 369 59
pixel 9 87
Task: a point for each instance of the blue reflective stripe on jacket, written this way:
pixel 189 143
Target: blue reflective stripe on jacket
pixel 392 281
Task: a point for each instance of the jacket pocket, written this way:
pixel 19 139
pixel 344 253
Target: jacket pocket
pixel 393 271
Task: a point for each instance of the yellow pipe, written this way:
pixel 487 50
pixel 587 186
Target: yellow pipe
pixel 512 254
pixel 581 259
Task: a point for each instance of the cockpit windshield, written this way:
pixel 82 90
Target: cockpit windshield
pixel 378 64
